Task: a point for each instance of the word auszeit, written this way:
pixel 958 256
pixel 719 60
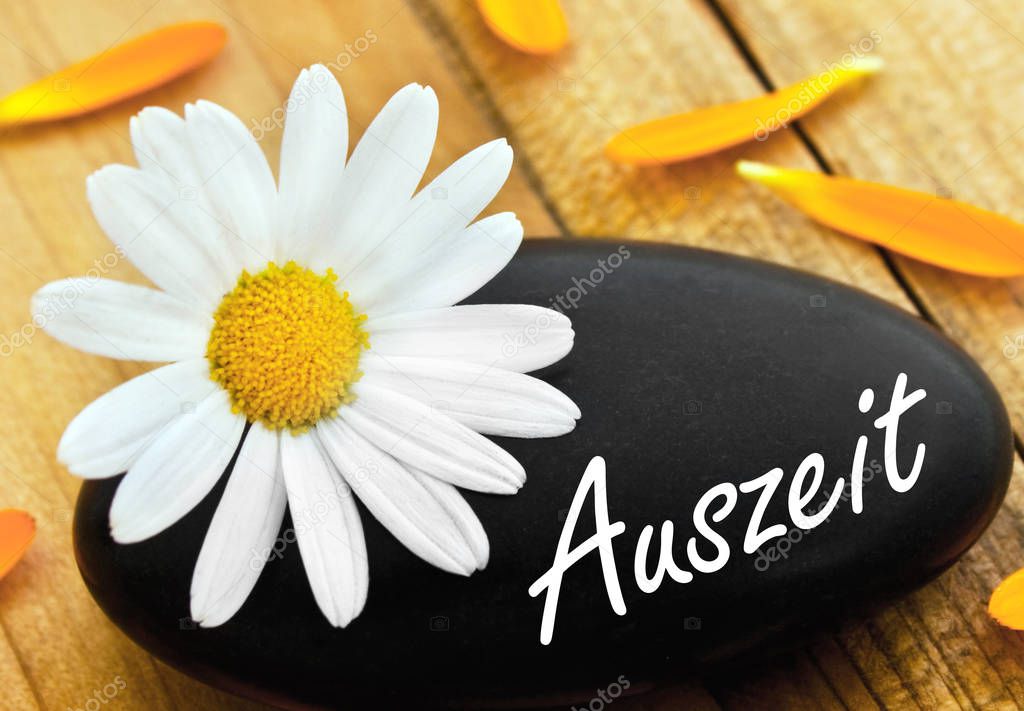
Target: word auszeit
pixel 714 506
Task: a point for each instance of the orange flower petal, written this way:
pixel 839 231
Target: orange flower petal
pixel 704 131
pixel 1006 606
pixel 17 529
pixel 116 74
pixel 534 26
pixel 944 232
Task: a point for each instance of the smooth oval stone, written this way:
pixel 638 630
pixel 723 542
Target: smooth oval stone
pixel 692 368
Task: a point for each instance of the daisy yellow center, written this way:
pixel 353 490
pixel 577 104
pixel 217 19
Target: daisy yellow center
pixel 285 345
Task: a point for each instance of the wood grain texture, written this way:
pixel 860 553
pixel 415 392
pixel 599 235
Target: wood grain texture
pixel 944 117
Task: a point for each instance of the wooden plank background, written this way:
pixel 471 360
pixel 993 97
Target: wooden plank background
pixel 944 117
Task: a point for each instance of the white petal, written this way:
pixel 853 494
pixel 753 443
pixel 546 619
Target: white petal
pixel 485 399
pixel 424 438
pixel 380 177
pixel 242 533
pixel 236 179
pixel 327 529
pixel 456 265
pixel 450 202
pixel 508 336
pixel 161 148
pixel 399 500
pixel 119 320
pixel 462 513
pixel 313 152
pixel 164 233
pixel 176 471
pixel 113 430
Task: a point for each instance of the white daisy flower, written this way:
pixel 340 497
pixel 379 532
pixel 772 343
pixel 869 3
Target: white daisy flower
pixel 319 311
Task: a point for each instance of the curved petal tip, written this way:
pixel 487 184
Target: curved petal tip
pixel 537 27
pixel 17 529
pixel 1006 606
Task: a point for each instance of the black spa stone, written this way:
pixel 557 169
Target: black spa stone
pixel 691 368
